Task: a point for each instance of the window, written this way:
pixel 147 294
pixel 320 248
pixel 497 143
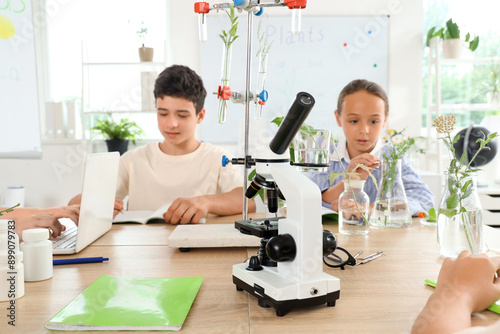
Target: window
pixel 465 83
pixel 108 31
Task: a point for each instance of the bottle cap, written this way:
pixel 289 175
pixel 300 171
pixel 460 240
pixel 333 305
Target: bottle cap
pixel 36 234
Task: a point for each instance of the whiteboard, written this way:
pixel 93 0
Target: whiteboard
pixel 19 108
pixel 328 54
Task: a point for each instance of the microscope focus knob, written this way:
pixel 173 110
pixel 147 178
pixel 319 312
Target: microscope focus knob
pixel 225 161
pixel 281 248
pixel 254 264
pixel 329 242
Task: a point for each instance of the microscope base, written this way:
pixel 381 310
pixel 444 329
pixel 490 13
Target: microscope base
pixel 275 290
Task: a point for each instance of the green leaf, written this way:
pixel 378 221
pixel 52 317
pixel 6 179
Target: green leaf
pixel 433 33
pixel 474 44
pixel 452 29
pixel 467 192
pixel 463 158
pixel 432 215
pixel 278 120
pixel 9 209
pixel 334 175
pixel 466 185
pixel 252 174
pixel 447 213
pixel 492 136
pixel 125 130
pixel 452 201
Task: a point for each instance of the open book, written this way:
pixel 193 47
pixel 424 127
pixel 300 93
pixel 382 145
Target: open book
pixel 117 303
pixel 329 213
pixel 143 217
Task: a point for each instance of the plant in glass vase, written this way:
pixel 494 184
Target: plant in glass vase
pixel 354 203
pixel 459 214
pixel 228 38
pixel 391 206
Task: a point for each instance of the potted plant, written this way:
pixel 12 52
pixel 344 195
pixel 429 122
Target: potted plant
pixel 118 134
pixel 452 43
pixel 145 53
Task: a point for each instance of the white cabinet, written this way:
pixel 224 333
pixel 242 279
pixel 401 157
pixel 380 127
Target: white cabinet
pixel 490 201
pixel 122 89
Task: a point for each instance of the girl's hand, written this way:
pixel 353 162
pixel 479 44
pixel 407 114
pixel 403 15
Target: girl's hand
pixel 367 159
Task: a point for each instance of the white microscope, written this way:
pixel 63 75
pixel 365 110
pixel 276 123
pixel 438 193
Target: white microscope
pixel 288 272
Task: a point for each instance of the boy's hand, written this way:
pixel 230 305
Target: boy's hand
pixel 186 210
pixel 470 279
pixel 366 159
pixel 464 286
pixel 118 207
pixel 39 221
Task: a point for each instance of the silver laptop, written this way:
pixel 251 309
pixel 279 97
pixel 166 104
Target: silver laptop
pixel 96 208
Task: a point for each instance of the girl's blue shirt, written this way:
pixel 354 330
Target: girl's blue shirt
pixel 418 194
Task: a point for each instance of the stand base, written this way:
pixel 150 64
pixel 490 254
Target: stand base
pixel 262 285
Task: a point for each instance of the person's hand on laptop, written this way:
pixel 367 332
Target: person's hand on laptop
pixel 72 212
pixel 39 221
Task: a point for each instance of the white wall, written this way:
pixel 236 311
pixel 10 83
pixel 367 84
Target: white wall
pixel 405 47
pixel 54 179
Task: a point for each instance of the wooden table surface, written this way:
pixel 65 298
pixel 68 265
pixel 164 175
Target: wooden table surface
pixel 382 296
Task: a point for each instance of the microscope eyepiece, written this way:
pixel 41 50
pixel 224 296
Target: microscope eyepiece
pixel 306 99
pixel 297 114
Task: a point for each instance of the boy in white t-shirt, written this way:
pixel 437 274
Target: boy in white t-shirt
pixel 180 170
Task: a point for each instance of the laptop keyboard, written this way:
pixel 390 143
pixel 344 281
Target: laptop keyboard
pixel 66 240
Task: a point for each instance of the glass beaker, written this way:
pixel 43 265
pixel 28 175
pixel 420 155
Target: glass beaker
pixel 391 206
pixel 354 206
pixel 312 147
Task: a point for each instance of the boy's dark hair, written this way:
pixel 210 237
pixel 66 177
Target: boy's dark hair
pixel 362 85
pixel 181 81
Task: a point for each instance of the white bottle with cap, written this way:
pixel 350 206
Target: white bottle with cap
pixel 37 251
pixel 11 263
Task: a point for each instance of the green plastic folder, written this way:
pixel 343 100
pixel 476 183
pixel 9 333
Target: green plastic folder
pixel 495 307
pixel 129 303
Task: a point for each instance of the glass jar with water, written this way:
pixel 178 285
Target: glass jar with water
pixel 311 149
pixel 391 206
pixel 354 206
pixel 460 218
